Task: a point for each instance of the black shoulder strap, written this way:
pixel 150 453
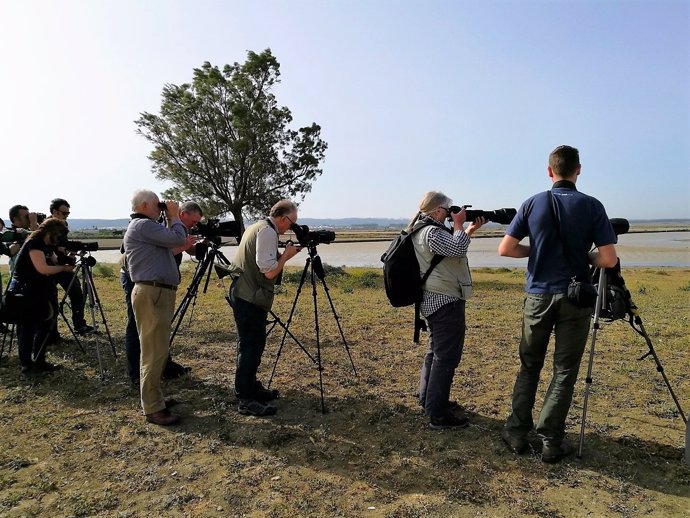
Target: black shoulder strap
pixel 434 260
pixel 419 323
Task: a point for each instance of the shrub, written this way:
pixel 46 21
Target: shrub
pixel 103 270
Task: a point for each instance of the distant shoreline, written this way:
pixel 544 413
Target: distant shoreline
pixel 362 236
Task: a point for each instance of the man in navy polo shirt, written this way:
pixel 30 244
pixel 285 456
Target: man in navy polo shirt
pixel 562 226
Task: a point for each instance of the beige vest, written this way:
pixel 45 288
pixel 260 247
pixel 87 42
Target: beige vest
pixel 250 284
pixel 450 277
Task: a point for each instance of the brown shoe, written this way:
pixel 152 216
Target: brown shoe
pixel 162 417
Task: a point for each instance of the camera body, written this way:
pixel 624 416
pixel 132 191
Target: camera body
pixel 502 216
pixel 79 246
pixel 307 237
pixel 40 217
pixel 214 229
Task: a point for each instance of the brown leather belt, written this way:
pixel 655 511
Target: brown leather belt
pixel 157 284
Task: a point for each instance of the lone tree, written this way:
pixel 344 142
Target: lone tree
pixel 224 141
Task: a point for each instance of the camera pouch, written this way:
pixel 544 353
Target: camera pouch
pixel 582 294
pixel 16 304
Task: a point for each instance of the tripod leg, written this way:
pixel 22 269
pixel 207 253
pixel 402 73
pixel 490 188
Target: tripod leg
pixel 191 293
pixel 105 323
pixel 337 321
pixel 318 342
pixel 641 331
pixel 286 326
pixel 61 307
pixel 588 380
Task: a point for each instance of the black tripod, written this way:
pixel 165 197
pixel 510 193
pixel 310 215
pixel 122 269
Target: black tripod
pixel 314 266
pixel 203 268
pixel 614 302
pixel 84 270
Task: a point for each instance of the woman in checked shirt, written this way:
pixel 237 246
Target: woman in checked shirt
pixel 443 304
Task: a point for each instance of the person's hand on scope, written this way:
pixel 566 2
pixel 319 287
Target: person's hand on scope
pixel 458 218
pixel 68 267
pixel 475 225
pixel 291 250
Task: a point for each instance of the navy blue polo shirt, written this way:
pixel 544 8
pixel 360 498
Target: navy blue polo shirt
pixel 583 223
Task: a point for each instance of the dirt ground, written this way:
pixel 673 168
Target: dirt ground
pixel 76 444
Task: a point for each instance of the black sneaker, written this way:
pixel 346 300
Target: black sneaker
pixel 45 366
pixel 256 408
pixel 84 330
pixel 552 453
pixel 449 421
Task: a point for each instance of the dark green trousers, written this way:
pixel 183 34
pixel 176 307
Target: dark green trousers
pixel 542 315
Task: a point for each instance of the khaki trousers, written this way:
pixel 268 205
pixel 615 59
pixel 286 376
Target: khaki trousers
pixel 153 311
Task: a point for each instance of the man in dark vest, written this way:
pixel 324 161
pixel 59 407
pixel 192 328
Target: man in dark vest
pixel 258 264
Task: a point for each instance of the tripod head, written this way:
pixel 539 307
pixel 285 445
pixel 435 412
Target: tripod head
pixel 316 263
pixel 87 260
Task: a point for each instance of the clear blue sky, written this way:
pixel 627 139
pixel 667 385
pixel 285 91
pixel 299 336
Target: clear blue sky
pixel 466 97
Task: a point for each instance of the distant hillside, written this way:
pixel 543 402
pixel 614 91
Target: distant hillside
pixel 363 223
pixel 80 224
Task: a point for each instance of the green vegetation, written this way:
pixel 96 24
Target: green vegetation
pixel 223 139
pixel 76 445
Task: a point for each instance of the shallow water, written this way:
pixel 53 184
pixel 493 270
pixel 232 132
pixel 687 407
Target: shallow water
pixel 643 249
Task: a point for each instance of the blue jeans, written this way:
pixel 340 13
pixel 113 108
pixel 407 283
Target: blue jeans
pixel 542 314
pixel 446 341
pixel 251 342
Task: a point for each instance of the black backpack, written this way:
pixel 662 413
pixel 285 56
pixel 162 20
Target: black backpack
pixel 401 275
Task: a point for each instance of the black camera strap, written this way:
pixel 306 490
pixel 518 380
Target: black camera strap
pixel 419 322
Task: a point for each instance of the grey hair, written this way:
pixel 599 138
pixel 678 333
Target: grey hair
pixel 282 208
pixel 141 196
pixel 191 207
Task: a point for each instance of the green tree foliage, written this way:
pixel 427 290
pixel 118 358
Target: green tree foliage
pixel 224 142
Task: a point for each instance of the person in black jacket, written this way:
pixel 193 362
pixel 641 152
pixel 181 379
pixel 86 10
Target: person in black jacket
pixel 31 279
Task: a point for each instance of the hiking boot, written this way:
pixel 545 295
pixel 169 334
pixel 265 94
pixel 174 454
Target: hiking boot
pixel 552 453
pixel 162 418
pixel 515 444
pixel 29 372
pixel 53 339
pixel 264 395
pixel 449 421
pixel 452 407
pixel 84 329
pixel 255 408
